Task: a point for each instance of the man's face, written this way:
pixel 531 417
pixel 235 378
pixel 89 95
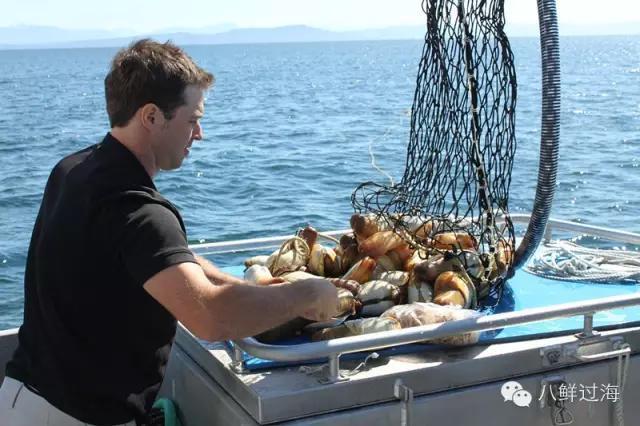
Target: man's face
pixel 173 140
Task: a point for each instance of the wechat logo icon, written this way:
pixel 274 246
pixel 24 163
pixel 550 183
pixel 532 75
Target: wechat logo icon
pixel 513 391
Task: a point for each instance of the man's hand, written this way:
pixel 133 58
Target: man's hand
pixel 272 280
pixel 323 298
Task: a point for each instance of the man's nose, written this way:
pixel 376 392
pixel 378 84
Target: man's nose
pixel 198 134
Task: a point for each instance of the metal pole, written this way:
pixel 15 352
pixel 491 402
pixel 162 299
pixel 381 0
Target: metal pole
pixel 385 339
pixel 238 360
pixel 587 330
pixel 334 369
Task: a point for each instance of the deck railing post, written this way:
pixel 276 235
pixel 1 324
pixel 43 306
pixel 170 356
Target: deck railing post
pixel 587 328
pixel 238 360
pixel 334 369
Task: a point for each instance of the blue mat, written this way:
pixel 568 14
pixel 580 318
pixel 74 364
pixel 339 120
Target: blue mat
pixel 523 291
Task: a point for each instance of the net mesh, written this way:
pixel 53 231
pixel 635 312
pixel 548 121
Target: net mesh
pixel 455 185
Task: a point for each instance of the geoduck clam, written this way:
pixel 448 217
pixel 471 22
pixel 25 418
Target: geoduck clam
pixel 457 240
pixel 454 288
pixel 365 226
pixel 428 270
pixel 380 243
pixel 361 271
pixel 377 290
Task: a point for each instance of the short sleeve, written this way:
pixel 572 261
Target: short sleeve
pixel 151 240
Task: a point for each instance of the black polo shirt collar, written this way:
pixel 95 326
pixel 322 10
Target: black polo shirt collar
pixel 113 147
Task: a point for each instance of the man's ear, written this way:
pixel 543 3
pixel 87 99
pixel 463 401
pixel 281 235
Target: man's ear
pixel 149 115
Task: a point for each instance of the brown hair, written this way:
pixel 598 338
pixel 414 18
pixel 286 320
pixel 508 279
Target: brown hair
pixel 150 72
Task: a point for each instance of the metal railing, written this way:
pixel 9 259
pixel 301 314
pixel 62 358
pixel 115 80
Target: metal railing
pixel 333 349
pixel 566 225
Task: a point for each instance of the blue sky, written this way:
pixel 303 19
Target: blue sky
pixel 152 15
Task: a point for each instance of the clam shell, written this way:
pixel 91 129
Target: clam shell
pixel 419 291
pixel 374 291
pixel 376 309
pixel 397 278
pixel 257 273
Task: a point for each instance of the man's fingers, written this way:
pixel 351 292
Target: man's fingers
pixel 317 316
pixel 269 281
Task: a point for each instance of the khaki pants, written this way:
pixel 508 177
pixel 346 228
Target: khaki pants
pixel 21 407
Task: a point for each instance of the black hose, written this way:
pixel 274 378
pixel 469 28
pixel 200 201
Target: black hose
pixel 550 132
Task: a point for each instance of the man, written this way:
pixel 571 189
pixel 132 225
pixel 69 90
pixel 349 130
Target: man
pixel 109 270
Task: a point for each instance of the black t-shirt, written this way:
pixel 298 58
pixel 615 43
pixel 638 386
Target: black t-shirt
pixel 94 343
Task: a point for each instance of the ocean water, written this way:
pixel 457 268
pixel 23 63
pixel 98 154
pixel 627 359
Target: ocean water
pixel 288 129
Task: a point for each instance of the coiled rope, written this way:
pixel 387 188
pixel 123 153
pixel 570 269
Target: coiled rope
pixel 568 261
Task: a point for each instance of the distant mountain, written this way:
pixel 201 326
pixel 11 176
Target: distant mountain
pixel 210 29
pixel 286 34
pixel 23 37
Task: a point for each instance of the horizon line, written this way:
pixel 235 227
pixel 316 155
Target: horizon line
pixel 59 46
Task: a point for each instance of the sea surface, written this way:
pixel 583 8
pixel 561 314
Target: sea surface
pixel 288 129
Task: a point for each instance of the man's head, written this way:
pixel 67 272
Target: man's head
pixel 157 88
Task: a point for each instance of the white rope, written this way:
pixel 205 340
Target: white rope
pixel 320 370
pixel 328 237
pixel 565 260
pixel 373 159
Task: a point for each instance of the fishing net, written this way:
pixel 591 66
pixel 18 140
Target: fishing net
pixel 453 195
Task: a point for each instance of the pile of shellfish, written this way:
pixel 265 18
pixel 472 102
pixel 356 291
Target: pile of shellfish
pixel 385 272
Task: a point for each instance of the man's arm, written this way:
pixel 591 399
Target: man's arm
pixel 214 274
pixel 217 277
pixel 221 312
